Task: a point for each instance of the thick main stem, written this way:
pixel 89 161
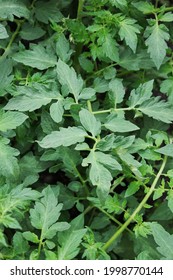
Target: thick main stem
pixel 138 209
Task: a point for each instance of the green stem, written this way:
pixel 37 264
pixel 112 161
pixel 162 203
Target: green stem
pixel 138 209
pixel 113 219
pixel 80 9
pixel 7 49
pixel 111 110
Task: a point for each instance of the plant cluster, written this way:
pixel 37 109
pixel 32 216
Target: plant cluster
pixel 86 168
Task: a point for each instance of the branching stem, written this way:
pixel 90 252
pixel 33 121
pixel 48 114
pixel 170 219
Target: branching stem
pixel 138 209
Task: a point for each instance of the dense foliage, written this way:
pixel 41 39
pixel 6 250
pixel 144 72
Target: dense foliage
pixel 86 153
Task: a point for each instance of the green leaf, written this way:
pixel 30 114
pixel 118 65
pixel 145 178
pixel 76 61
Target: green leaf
pixel 70 240
pixel 118 3
pixel 109 48
pixel 57 111
pixel 46 11
pixel 158 110
pixel 11 120
pixel 170 200
pixel 63 48
pixel 156 42
pixel 5 77
pixel 11 8
pixel 3 32
pixel 141 94
pixel 133 187
pixel 168 17
pixel 167 88
pixel 67 76
pixel 31 98
pixel 164 240
pixel 87 93
pixel 38 58
pixel 144 7
pixel 128 31
pixel 117 124
pixel 30 32
pixel 117 91
pixel 45 214
pixel 64 137
pixel 166 150
pixel 99 175
pixel 20 244
pixel 9 164
pixel 30 236
pixel 89 122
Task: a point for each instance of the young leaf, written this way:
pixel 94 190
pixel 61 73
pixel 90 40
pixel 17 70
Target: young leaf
pixel 11 120
pixel 64 137
pixel 128 31
pixel 156 42
pixel 38 58
pixel 89 122
pixel 11 8
pixel 45 214
pixel 70 240
pixel 109 48
pixel 164 240
pixel 67 76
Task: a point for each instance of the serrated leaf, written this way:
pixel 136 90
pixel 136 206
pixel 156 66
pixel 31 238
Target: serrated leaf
pixel 57 111
pixel 11 8
pixel 31 98
pixel 9 164
pixel 109 48
pixel 164 240
pixel 63 48
pixel 144 7
pixel 11 120
pixel 30 32
pixel 133 187
pixel 46 11
pixel 45 214
pixel 167 88
pixel 38 58
pixel 118 3
pixel 117 91
pixel 141 94
pixel 166 150
pixel 128 31
pixel 89 122
pixel 157 109
pixel 70 240
pixel 117 124
pixel 20 244
pixel 3 32
pixel 64 137
pixel 156 42
pixel 67 76
pixel 5 77
pixel 168 17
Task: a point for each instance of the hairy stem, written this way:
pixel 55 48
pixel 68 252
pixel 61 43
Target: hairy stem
pixel 138 209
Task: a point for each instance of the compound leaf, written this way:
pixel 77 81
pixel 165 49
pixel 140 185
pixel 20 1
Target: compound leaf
pixel 156 42
pixel 11 8
pixel 45 214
